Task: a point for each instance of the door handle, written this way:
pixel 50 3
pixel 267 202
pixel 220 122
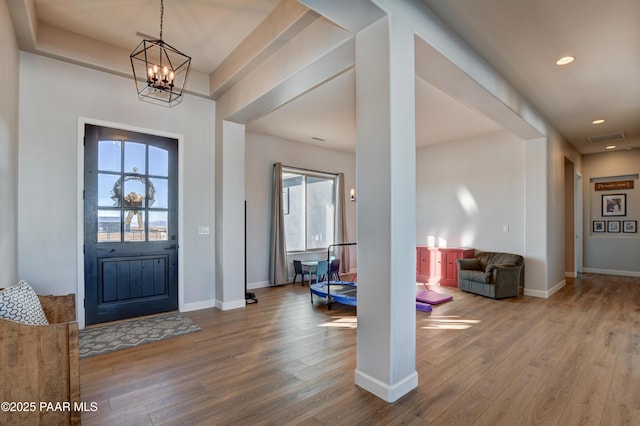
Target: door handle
pixel 171 247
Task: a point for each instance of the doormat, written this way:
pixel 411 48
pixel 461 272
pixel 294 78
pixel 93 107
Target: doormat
pixel 127 334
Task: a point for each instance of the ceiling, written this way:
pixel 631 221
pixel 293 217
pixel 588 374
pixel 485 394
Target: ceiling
pixel 520 39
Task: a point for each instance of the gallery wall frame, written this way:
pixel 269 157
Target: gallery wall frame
pixel 630 226
pixel 599 226
pixel 614 205
pixel 613 226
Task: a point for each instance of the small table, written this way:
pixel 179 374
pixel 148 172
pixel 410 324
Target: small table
pixel 310 267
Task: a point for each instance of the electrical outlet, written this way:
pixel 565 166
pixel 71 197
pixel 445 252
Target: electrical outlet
pixel 203 230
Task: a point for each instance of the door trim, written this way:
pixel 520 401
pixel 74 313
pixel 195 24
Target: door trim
pixel 80 311
pixel 579 214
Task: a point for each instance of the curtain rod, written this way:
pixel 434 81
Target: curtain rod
pixel 307 170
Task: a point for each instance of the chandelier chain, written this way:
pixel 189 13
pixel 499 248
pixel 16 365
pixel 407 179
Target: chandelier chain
pixel 161 16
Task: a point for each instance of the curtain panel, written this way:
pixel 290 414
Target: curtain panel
pixel 278 249
pixel 341 216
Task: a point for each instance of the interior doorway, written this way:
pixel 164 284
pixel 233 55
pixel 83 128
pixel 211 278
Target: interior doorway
pixel 573 220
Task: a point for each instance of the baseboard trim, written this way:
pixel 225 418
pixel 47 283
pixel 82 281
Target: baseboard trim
pixel 227 306
pixel 389 393
pixel 196 306
pixel 611 272
pixel 570 274
pixel 258 284
pixel 545 294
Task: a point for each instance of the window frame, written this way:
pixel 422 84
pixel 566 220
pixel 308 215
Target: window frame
pixel 314 174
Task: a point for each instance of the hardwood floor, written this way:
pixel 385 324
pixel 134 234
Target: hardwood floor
pixel 572 359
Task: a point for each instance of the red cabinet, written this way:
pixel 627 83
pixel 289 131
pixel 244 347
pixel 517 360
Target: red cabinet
pixel 439 263
pixel 428 263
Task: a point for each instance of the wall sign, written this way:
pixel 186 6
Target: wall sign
pixel 609 186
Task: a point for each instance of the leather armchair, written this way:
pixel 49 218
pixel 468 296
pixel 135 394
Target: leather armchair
pixel 491 274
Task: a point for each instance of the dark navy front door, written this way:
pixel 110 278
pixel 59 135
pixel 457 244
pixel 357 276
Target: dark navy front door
pixel 131 224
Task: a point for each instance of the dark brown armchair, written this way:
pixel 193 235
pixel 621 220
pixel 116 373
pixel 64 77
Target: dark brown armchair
pixel 491 274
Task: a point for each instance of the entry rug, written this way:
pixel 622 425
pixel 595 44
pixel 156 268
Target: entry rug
pixel 108 338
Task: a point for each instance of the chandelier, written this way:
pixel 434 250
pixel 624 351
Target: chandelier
pixel 159 70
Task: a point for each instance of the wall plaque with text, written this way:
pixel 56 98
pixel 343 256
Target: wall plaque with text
pixel 608 186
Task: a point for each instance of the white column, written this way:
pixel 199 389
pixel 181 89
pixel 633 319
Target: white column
pixel 230 141
pixel 386 176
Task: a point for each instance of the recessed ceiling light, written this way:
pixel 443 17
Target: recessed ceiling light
pixel 611 147
pixel 598 121
pixel 565 60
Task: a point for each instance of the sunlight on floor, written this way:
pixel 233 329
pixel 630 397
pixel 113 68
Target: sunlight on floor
pixel 341 322
pixel 448 323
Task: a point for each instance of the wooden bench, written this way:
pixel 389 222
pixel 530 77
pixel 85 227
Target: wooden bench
pixel 40 364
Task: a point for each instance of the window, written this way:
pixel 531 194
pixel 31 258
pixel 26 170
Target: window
pixel 309 200
pixel 133 192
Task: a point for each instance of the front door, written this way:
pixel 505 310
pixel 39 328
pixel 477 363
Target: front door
pixel 131 224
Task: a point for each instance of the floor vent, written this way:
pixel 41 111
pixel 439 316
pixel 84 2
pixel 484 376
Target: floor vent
pixel 618 136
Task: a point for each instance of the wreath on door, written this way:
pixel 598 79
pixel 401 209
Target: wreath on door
pixel 133 199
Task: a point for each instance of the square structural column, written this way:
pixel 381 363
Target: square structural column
pixel 386 209
pixel 229 184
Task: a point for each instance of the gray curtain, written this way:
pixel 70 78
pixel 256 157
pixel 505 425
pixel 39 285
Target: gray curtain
pixel 341 226
pixel 278 249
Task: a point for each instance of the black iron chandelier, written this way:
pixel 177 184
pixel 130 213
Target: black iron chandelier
pixel 159 70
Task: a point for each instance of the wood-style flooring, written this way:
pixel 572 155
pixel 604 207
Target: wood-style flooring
pixel 572 359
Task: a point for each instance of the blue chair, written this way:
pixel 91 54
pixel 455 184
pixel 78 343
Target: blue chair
pixel 322 270
pixel 297 267
pixel 334 270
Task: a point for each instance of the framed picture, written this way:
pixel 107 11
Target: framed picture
pixel 614 205
pixel 613 226
pixel 598 226
pixel 629 226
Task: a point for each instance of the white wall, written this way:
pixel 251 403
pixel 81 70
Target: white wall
pixel 261 152
pixel 468 191
pixel 53 95
pixel 9 75
pixel 617 254
pixel 557 150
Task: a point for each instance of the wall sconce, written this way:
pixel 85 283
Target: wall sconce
pixel 352 195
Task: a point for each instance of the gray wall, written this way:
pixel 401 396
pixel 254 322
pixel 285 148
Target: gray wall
pixel 9 75
pixel 51 158
pixel 619 253
pixel 469 190
pixel 261 152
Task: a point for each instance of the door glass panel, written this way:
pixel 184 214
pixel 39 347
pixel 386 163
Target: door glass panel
pixel 158 222
pixel 108 192
pixel 134 225
pixel 134 190
pixel 158 193
pixel 124 184
pixel 134 157
pixel 158 161
pixel 109 156
pixel 109 225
